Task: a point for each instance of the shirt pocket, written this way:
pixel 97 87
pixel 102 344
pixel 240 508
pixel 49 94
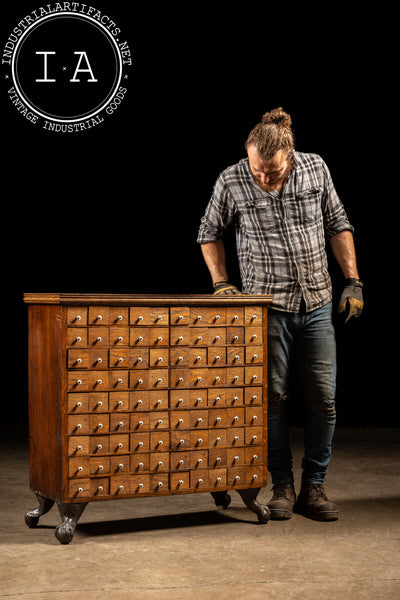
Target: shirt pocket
pixel 307 204
pixel 259 215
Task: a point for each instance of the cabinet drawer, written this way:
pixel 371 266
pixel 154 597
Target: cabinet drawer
pixel 204 315
pixel 76 316
pixel 179 315
pixel 98 315
pixel 77 337
pixel 119 336
pixel 149 315
pixel 179 336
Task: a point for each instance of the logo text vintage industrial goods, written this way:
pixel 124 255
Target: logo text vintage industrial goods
pixel 66 65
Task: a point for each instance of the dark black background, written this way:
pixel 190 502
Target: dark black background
pixel 116 208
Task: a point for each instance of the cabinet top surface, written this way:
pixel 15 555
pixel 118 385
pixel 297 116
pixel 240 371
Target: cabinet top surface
pixel 145 299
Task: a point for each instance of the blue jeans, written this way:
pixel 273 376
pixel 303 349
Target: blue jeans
pixel 304 342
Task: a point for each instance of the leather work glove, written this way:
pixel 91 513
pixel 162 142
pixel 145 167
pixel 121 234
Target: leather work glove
pixel 225 288
pixel 352 294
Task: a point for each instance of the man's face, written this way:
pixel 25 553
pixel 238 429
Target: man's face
pixel 271 174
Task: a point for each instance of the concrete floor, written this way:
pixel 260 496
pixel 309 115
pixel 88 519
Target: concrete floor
pixel 181 547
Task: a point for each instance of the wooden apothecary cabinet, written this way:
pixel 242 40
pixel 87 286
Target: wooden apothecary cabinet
pixel 134 395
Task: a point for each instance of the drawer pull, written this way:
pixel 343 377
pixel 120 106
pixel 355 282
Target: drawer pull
pixel 254 438
pixel 254 397
pixel 78 404
pixel 159 318
pixel 200 481
pixel 236 398
pixel 159 339
pixel 98 360
pixel 218 459
pixel 199 379
pixel 120 380
pixel 180 482
pixel 236 438
pixel 254 336
pixel 120 360
pixel 181 462
pixel 80 469
pixel 217 337
pixel 180 317
pixel 218 420
pixel 199 338
pixel 119 318
pixel 99 446
pixel 217 317
pixel 120 403
pixel 236 458
pixel 254 476
pixel 121 487
pixel 139 402
pixel 159 422
pixel 237 477
pixel 79 382
pixel 235 318
pixel 199 441
pixel 198 318
pixel 180 400
pixel 235 419
pixel 80 490
pixel 180 421
pixel 140 318
pixel 198 400
pixel 140 381
pixel 79 426
pixel 100 488
pixel 120 338
pixel 77 318
pixel 121 424
pixel 98 318
pixel 79 447
pixel 120 445
pixel 78 339
pixel 219 479
pixel 99 426
pixel 254 418
pixel 140 444
pixel 235 338
pixel 198 358
pixel 199 461
pixel 254 317
pixel 160 484
pixel 99 339
pixel 159 380
pixel 218 378
pixel 99 381
pixel 140 339
pixel 199 420
pixel 100 468
pixel 236 378
pixel 180 358
pixel 78 361
pixel 140 423
pixel 255 456
pixel 160 443
pixel 160 463
pixel 180 338
pixel 254 377
pixel 159 359
pixel 180 380
pixel 255 356
pixel 120 466
pixel 140 485
pixel 181 442
pixel 218 439
pixel 217 358
pixel 159 402
pixel 140 465
pixel 100 403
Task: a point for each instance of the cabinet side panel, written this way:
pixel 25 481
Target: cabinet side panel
pixel 45 399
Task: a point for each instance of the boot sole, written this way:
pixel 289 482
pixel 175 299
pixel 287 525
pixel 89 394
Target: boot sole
pixel 280 515
pixel 321 516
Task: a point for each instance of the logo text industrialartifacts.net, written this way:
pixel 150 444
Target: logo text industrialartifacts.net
pixel 67 66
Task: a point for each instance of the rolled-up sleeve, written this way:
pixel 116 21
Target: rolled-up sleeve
pixel 219 214
pixel 335 217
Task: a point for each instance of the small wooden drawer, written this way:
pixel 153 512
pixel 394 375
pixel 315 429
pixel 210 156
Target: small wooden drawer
pixel 255 354
pixel 217 397
pixel 77 337
pixel 158 336
pixel 197 357
pixel 77 316
pixel 235 376
pixel 120 463
pixel 179 481
pixel 254 455
pixel 198 378
pixel 159 357
pixel 199 479
pixel 78 445
pixel 180 419
pixel 119 336
pixel 118 401
pixel 234 316
pixel 179 357
pixel 78 381
pixel 99 424
pixel 179 399
pixel 235 417
pixel 140 463
pixel 198 419
pixel 138 336
pixel 159 441
pixel 180 440
pixel 234 397
pixel 159 420
pixel 253 375
pixel 120 485
pixel 140 421
pixel 217 417
pixel 179 336
pixel 253 436
pixel 159 482
pixel 79 466
pixel 139 401
pixel 253 395
pixel 180 378
pixel 204 315
pixel 99 465
pixel 235 335
pixel 98 402
pixel 179 315
pixel 198 337
pixel 217 458
pixel 198 398
pixel 217 478
pixel 235 457
pixel 254 416
pixel 119 443
pixel 118 315
pixel 253 315
pixel 78 424
pixel 99 337
pixel 216 356
pixel 198 459
pixel 78 403
pixel 119 422
pixel 98 315
pixel 217 336
pixel 180 461
pixel 100 486
pixel 235 356
pixel 198 438
pixel 79 488
pixel 139 442
pixel 159 462
pixel 253 336
pixel 216 377
pixel 235 437
pixel 158 400
pixel 139 484
pixel 99 445
pixel 217 438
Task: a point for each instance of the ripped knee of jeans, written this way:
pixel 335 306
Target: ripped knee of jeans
pixel 327 408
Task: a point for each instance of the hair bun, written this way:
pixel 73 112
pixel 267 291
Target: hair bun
pixel 277 116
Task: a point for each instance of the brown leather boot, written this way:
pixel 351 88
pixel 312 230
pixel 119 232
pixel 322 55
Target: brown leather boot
pixel 313 503
pixel 281 503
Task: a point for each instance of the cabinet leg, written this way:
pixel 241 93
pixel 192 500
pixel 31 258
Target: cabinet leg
pixel 70 515
pixel 32 516
pixel 221 499
pixel 249 498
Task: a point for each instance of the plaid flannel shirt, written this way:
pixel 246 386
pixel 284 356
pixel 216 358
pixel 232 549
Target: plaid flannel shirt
pixel 280 238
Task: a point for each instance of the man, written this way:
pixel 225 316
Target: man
pixel 284 206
